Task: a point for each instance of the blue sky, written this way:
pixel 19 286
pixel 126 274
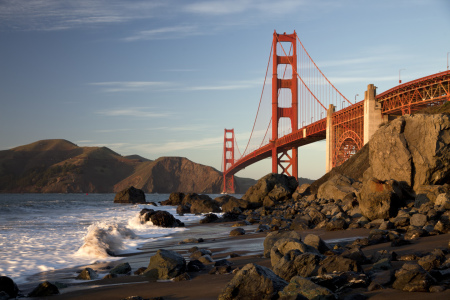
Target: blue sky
pixel 164 78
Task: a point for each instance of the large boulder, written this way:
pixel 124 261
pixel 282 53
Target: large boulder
pixel 380 200
pixel 159 218
pixel 203 206
pixel 305 288
pixel 337 187
pixel 130 195
pixel 175 199
pixel 412 278
pixel 274 236
pixel 277 187
pixel 412 149
pixel 283 246
pixel 165 264
pixel 338 264
pixel 233 203
pixel 8 286
pixel 296 263
pixel 253 282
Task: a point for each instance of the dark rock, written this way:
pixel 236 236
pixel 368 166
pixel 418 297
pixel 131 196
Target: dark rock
pixel 234 203
pixel 412 278
pixel 355 297
pixel 44 289
pixel 295 263
pixel 199 253
pixel 140 271
pixel 8 286
pixel 174 199
pixel 413 233
pixel 209 218
pixel 222 262
pixel 306 288
pixel 273 237
pixel 87 274
pixel 418 220
pixel 123 268
pixel 237 232
pixel 206 259
pixel 338 264
pixel 183 209
pixel 253 282
pixel 316 242
pixel 382 264
pixel 283 246
pixel 130 195
pixel 381 254
pixel 195 266
pixel 160 218
pixel 165 264
pixel 336 224
pixel 355 254
pixel 203 206
pixel 109 276
pixel 380 199
pixel 220 270
pixel 182 277
pixel 431 261
pixel 277 187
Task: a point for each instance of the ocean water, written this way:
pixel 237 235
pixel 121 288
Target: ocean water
pixel 43 232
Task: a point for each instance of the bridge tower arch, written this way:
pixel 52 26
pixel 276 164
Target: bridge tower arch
pixel 228 160
pixel 288 163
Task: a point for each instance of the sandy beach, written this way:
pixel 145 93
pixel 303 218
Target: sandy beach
pixel 205 286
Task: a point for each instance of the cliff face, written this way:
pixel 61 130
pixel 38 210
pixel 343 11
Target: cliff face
pixel 59 166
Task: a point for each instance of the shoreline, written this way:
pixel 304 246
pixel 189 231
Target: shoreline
pixel 205 286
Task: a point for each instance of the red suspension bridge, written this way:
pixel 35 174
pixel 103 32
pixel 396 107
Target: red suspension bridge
pixel 300 108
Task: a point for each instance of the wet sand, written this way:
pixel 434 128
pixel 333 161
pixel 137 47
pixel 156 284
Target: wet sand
pixel 205 286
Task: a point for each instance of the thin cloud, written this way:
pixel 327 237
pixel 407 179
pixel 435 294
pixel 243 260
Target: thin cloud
pixel 164 33
pixel 44 15
pixel 140 112
pixel 129 86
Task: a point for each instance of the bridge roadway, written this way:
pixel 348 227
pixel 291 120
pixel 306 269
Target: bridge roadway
pixel 404 98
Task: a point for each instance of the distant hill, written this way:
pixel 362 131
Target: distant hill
pixel 60 166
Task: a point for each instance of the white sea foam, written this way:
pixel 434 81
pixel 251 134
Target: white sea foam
pixel 47 232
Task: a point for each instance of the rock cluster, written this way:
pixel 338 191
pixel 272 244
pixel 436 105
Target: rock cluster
pixel 130 195
pixel 159 218
pixel 192 203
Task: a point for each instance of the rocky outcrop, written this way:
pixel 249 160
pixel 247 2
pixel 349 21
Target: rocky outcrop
pixel 8 286
pixel 412 149
pixel 130 195
pixel 165 264
pixel 380 200
pixel 271 188
pixel 159 218
pixel 337 187
pixel 253 282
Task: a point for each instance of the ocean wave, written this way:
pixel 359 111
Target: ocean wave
pixel 104 240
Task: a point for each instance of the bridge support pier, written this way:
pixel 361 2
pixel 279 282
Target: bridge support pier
pixel 329 139
pixel 372 113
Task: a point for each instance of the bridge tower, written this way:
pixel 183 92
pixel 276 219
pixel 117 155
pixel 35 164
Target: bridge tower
pixel 287 163
pixel 228 160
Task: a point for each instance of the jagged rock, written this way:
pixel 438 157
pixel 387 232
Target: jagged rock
pixel 209 218
pixel 159 218
pixel 283 246
pixel 443 200
pixel 44 289
pixel 174 199
pixel 418 220
pixel 338 264
pixel 237 232
pixel 296 263
pixel 336 224
pixel 87 274
pixel 195 266
pixel 130 195
pixel 123 268
pixel 380 200
pixel 338 281
pixel 306 288
pixel 316 242
pixel 355 254
pixel 273 237
pixel 182 277
pixel 412 149
pixel 165 264
pixel 337 187
pixel 199 253
pixel 220 270
pixel 412 278
pixel 234 203
pixel 253 282
pixel 203 206
pixel 427 194
pixel 8 286
pixel 206 259
pixel 277 187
